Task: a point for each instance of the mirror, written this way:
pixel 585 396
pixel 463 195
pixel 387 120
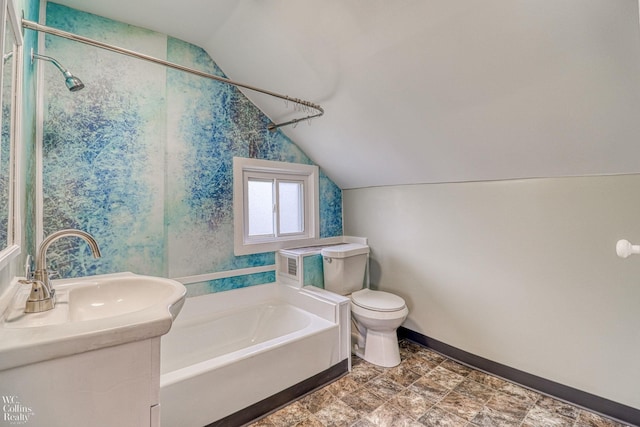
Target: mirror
pixel 10 66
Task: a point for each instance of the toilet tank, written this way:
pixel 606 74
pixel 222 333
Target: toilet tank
pixel 344 267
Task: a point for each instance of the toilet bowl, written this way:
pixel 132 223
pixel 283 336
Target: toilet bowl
pixel 376 315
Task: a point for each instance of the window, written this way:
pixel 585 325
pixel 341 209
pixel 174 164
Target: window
pixel 275 205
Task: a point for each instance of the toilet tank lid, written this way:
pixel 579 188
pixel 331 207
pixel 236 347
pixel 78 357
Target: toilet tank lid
pixel 345 250
pixel 377 300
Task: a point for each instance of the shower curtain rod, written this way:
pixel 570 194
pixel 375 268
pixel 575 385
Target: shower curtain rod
pixel 271 126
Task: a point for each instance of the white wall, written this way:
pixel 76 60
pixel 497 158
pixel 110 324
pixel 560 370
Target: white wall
pixel 495 89
pixel 522 272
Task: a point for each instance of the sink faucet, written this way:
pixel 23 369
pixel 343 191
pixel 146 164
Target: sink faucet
pixel 42 295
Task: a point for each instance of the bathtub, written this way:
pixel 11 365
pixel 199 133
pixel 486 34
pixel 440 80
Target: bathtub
pixel 233 356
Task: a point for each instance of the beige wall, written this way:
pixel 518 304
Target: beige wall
pixel 520 272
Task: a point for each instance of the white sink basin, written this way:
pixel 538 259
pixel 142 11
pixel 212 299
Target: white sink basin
pixel 119 296
pixel 90 313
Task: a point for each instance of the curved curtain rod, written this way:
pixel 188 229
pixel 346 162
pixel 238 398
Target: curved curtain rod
pixel 271 126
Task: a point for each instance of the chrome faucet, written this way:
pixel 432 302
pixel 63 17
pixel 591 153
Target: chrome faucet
pixel 42 297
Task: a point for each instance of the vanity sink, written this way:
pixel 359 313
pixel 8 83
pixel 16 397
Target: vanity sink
pixel 90 313
pixel 120 296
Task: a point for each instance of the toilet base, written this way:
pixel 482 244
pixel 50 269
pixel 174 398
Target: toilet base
pixel 381 348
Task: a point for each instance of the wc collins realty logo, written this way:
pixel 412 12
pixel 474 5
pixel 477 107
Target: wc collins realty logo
pixel 15 412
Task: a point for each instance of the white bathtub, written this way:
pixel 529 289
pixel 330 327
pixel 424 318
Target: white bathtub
pixel 230 350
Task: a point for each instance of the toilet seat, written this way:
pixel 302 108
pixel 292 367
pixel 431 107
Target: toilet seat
pixel 377 300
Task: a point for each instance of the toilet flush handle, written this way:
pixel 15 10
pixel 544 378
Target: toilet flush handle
pixel 328 260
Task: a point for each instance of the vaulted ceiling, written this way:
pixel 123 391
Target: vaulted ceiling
pixel 425 91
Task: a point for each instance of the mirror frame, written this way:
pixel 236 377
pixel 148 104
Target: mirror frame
pixel 9 16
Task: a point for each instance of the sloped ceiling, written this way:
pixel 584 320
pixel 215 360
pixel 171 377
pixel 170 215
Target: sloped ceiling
pixel 425 91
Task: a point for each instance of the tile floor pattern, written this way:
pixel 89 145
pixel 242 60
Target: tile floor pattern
pixel 427 389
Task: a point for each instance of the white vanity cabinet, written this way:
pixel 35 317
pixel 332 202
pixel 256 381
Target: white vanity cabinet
pixel 111 386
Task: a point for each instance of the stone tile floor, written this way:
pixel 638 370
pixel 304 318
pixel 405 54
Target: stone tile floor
pixel 427 389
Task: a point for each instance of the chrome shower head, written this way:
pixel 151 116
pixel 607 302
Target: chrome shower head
pixel 73 83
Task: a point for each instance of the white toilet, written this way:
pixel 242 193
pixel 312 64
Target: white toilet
pixel 375 314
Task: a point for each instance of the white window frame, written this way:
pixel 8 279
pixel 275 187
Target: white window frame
pixel 245 168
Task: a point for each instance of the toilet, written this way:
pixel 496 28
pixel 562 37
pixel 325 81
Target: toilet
pixel 375 315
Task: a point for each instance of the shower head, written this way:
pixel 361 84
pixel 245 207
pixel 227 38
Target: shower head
pixel 73 83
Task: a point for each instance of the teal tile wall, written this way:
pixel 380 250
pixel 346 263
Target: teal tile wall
pixel 142 157
pixel 31 9
pixel 312 271
pixel 229 283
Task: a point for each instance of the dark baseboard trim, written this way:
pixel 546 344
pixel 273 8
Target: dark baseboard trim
pixel 278 400
pixel 586 400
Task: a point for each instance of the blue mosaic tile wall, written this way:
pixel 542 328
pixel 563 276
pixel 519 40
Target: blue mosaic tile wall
pixel 142 157
pixel 313 271
pixel 31 9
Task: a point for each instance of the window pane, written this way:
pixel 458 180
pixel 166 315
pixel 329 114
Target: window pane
pixel 290 207
pixel 260 209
